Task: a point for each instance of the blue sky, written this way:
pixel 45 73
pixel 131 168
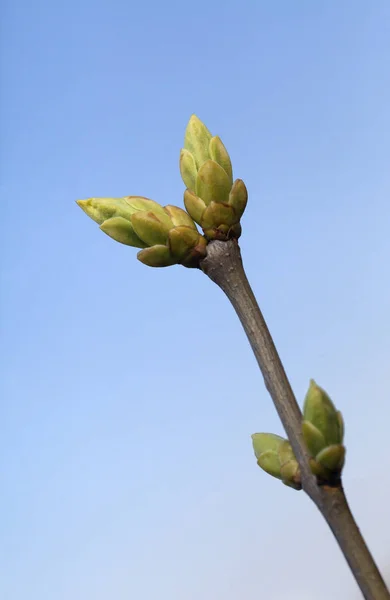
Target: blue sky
pixel 129 394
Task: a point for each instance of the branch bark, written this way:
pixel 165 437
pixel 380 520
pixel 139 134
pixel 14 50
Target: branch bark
pixel 223 265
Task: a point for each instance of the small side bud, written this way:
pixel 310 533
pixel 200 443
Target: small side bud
pixel 269 462
pixel 321 412
pixel 182 240
pixel 217 214
pixel 194 206
pixel 238 197
pixel 275 456
pixel 332 458
pixel 157 256
pixel 121 230
pixel 323 432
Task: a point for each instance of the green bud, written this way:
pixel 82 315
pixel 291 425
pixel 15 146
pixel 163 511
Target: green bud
pixel 320 411
pixel 314 440
pixel 157 256
pixel 286 453
pixel 121 230
pixel 220 155
pixel 196 140
pixel 101 209
pixel 179 217
pixel 207 172
pixel 269 462
pixel 217 214
pixel 212 183
pixel 150 228
pixel 263 442
pixel 323 431
pixel 219 222
pixel 167 235
pixel 332 458
pixel 275 456
pixel 137 203
pixel 194 253
pixel 182 240
pixel 238 197
pixel 289 467
pixel 188 169
pixel 194 206
pixel 291 475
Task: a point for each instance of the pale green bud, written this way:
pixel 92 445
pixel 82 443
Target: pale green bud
pixel 157 256
pixel 269 462
pixel 217 214
pixel 332 457
pixel 289 467
pixel 168 235
pixel 182 240
pixel 285 451
pixel 101 209
pixel 263 442
pixel 137 203
pixel 320 411
pixel 179 217
pixel 219 222
pixel 194 206
pixel 207 172
pixel 238 198
pixel 121 230
pixel 291 475
pixel 212 183
pixel 150 228
pixel 188 169
pixel 323 431
pixel 275 456
pixel 220 155
pixel 196 140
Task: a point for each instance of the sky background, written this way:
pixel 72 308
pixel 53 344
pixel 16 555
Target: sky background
pixel 129 394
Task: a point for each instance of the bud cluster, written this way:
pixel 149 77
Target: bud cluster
pixel 167 235
pixel 212 199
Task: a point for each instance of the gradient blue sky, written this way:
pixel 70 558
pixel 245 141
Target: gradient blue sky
pixel 129 394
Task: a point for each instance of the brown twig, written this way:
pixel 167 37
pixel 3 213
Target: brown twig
pixel 223 265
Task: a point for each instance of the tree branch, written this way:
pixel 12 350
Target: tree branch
pixel 223 265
